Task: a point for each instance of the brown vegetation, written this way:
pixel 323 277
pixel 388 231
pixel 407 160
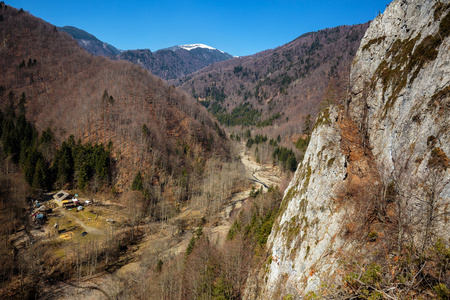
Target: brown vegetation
pixel 207 270
pixel 279 86
pixel 398 253
pixel 99 100
pixel 149 126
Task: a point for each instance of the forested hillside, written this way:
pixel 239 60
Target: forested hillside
pixel 59 86
pixel 174 62
pixel 90 43
pixel 70 120
pixel 279 86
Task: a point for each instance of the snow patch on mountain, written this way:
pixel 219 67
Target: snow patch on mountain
pixel 190 47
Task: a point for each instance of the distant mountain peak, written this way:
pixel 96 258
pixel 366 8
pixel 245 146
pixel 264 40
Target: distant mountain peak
pixel 168 63
pixel 190 47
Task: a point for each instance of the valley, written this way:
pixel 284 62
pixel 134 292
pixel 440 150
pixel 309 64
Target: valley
pixel 318 169
pixel 166 238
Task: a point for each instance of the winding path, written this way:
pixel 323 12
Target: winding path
pixel 263 174
pixel 88 229
pixel 260 174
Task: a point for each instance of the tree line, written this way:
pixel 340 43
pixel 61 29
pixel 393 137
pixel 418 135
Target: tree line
pixel 208 270
pixel 44 166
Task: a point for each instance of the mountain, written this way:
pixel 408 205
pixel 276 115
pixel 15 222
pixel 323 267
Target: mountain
pixel 368 205
pixel 279 86
pixel 90 43
pixel 203 50
pixel 98 100
pixel 177 61
pixel 169 63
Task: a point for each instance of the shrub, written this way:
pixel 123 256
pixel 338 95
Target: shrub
pixel 372 236
pixel 442 292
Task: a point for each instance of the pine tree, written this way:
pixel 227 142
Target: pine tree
pixel 22 101
pixel 137 182
pixel 30 165
pixel 307 126
pixel 39 178
pixel 83 176
pixel 64 165
pixel 291 163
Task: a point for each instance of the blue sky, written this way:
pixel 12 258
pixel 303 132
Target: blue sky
pixel 238 27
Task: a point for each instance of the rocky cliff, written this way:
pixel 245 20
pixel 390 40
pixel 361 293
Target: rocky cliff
pixel 400 100
pixel 375 178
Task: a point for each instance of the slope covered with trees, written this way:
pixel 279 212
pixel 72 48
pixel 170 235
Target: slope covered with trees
pixel 76 121
pixel 279 86
pixel 98 100
pixel 175 62
pixel 90 43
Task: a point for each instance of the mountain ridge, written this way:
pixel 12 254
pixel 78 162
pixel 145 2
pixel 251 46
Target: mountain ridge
pixel 282 85
pixel 166 65
pixel 190 47
pixel 89 42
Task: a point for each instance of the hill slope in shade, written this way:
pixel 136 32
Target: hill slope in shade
pixel 174 62
pixel 90 43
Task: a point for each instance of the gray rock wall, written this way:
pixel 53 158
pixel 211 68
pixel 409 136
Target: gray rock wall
pixel 400 104
pixel 308 228
pixel 400 97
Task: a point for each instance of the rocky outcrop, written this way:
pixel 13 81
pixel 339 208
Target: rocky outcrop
pixel 391 134
pixel 309 224
pixel 400 99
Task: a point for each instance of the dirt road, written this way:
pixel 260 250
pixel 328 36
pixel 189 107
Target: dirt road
pixel 259 175
pixel 89 229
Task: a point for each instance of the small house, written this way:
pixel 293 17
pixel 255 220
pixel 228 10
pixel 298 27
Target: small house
pixel 61 195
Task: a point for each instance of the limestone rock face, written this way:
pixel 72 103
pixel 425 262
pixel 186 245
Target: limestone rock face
pixel 400 100
pixel 308 228
pixel 395 76
pixel 393 129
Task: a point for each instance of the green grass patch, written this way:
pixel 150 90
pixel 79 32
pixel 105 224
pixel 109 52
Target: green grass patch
pixel 373 42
